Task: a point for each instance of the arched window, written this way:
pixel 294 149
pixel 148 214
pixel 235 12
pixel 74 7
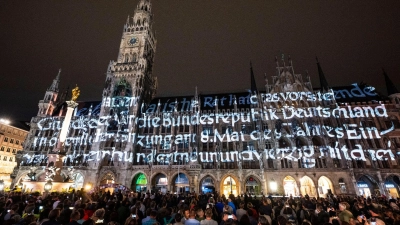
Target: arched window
pixel 126 58
pixel 342 185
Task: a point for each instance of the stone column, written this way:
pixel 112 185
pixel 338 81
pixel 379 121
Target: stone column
pixel 382 187
pixel 56 157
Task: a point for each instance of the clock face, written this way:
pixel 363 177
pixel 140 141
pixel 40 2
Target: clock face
pixel 132 41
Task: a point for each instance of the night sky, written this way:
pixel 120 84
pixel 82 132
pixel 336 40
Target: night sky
pixel 204 43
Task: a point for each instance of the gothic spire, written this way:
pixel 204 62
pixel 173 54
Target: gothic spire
pixel 322 80
pixel 253 81
pixel 56 81
pixel 390 87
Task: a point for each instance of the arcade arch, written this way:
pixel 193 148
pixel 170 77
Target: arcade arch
pixel 230 185
pixel 207 184
pixel 367 186
pixel 159 182
pixel 180 183
pixel 392 184
pixel 290 186
pixel 325 186
pixel 139 183
pixel 307 186
pixel 253 185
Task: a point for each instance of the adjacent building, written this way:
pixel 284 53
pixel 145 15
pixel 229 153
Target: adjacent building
pixel 286 138
pixel 11 141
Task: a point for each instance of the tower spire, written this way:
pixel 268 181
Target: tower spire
pixel 322 80
pixel 390 87
pixel 56 81
pixel 252 80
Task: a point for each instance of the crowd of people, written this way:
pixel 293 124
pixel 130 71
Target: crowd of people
pixel 117 208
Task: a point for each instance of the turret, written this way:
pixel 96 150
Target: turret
pixel 47 105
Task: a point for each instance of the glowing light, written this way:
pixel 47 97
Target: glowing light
pixel 273 185
pixel 88 186
pixel 4 121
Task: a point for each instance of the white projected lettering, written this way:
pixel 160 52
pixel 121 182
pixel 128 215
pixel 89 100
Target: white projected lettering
pixel 126 129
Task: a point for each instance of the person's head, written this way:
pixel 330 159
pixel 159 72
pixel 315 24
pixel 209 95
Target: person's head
pixel 186 213
pixel 153 214
pixel 99 214
pixel 281 220
pixel 200 213
pixel 263 221
pixel 241 205
pixel 54 214
pixel 192 214
pixel 245 220
pixel 178 218
pixel 75 215
pixel 342 206
pixel 209 213
pixel 249 205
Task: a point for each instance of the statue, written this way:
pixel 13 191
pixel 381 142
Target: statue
pixel 75 93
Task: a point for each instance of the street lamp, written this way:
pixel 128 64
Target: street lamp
pixel 1 185
pixel 48 186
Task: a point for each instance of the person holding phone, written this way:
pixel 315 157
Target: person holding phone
pixel 12 212
pixel 376 218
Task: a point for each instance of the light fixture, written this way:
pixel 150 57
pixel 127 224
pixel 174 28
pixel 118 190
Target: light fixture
pixel 4 121
pixel 273 185
pixel 88 186
pixel 48 186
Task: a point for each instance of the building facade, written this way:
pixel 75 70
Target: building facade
pixel 286 138
pixel 11 141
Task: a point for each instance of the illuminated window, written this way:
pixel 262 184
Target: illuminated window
pixel 11 159
pixel 8 149
pixel 14 150
pixel 17 142
pixel 5 158
pixel 208 130
pixel 2 148
pixel 12 141
pixel 6 139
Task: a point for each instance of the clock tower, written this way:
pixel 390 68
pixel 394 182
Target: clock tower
pixel 129 84
pixel 131 74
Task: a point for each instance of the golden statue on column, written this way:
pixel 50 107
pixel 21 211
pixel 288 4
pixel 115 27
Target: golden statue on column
pixel 75 93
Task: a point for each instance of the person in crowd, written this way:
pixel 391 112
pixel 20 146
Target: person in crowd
pixel 376 215
pixel 200 214
pixel 321 215
pixel 97 218
pixel 289 214
pixel 153 218
pixel 12 212
pixel 53 216
pixel 178 219
pixel 208 220
pixel 254 212
pixel 344 214
pixel 262 220
pixel 81 215
pixel 75 216
pixel 241 211
pixel 192 218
